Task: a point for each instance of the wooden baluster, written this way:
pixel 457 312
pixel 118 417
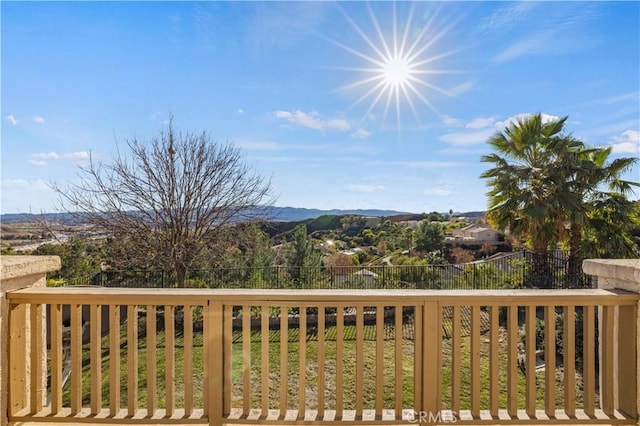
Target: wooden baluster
pixel 152 387
pixel 114 359
pixel 96 358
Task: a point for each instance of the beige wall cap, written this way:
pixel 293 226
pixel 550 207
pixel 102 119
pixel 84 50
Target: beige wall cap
pixel 19 266
pixel 613 269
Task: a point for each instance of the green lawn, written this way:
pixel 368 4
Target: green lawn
pixel 349 360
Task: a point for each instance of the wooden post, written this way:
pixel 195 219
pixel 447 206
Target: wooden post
pixel 431 384
pixel 213 340
pixel 627 355
pixel 606 359
pixel 18 390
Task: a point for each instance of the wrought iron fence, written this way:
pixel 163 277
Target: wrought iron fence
pixel 515 270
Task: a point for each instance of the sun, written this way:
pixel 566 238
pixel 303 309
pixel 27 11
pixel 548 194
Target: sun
pixel 397 64
pixel 396 72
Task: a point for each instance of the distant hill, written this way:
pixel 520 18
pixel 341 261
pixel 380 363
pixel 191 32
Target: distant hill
pixel 471 214
pixel 292 214
pixel 280 214
pixel 33 218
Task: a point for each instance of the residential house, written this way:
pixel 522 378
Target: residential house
pixel 475 233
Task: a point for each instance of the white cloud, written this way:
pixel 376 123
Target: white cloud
pixel 628 143
pixel 536 43
pixel 240 111
pixel 11 119
pixel 258 145
pixel 437 192
pixel 614 128
pixel 363 188
pixel 462 88
pixel 632 96
pixel 565 29
pixel 546 118
pixel 277 25
pixel 313 121
pixel 477 150
pixel 282 159
pixel 427 164
pixel 80 155
pixel 450 121
pixel 467 138
pixel 482 128
pixel 361 133
pixel 626 148
pixel 38 159
pixel 46 155
pixel 38 119
pixel 21 184
pixel 480 123
pixel 506 16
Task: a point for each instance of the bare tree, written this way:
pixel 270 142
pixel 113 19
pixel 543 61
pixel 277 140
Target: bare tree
pixel 167 199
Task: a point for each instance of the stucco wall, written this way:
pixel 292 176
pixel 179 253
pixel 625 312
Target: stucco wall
pixel 18 272
pixel 619 274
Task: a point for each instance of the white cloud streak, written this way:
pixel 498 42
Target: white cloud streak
pixel 46 155
pixel 632 96
pixel 564 29
pixel 38 119
pixel 22 184
pixel 480 123
pixel 546 118
pixel 450 121
pixel 276 25
pixel 461 88
pixel 11 119
pixel 532 44
pixel 506 17
pixel 39 159
pixel 437 192
pixel 467 138
pixel 361 133
pixel 313 121
pixel 363 188
pixel 258 145
pixel 427 164
pixel 627 143
pixel 612 129
pixel 482 128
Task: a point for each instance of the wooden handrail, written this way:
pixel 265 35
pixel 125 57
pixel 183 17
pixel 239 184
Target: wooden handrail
pixel 147 296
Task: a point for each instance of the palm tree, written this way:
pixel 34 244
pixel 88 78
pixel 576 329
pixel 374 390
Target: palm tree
pixel 593 201
pixel 611 219
pixel 522 196
pixel 547 187
pixel 598 218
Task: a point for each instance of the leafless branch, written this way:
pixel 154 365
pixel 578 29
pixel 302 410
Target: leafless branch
pixel 169 198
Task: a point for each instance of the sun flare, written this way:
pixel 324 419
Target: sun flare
pixel 397 64
pixel 396 71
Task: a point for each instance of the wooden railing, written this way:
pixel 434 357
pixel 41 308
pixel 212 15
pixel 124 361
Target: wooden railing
pixel 315 357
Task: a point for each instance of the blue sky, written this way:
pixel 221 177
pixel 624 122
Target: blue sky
pixel 345 105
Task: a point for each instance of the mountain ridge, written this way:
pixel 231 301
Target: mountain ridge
pixel 280 214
